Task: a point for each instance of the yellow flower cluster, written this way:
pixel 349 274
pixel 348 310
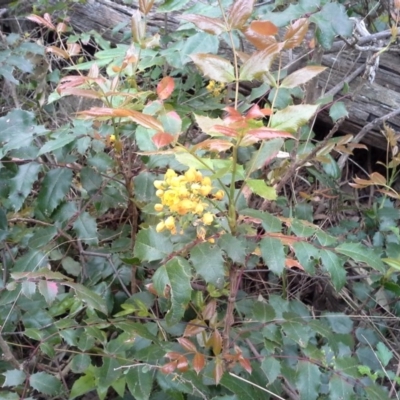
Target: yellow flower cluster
pixel 182 195
pixel 215 88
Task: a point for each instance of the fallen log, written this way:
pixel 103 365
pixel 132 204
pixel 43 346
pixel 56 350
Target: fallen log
pixel 365 101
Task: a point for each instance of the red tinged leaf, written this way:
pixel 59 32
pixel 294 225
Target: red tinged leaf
pixel 226 131
pixel 42 21
pixel 199 362
pixel 169 367
pixel 90 94
pixel 165 88
pixel 264 28
pixel 57 51
pixel 173 355
pixel 245 363
pixel 142 119
pixel 61 27
pixel 240 13
pixel 268 133
pixel 291 263
pixel 215 342
pixel 187 345
pixel 214 26
pixel 182 364
pixel 218 370
pixel 217 145
pixel 255 112
pixel 161 139
pixel 215 67
pixel 296 33
pixel 74 49
pixel 210 310
pixel 260 42
pixel 194 327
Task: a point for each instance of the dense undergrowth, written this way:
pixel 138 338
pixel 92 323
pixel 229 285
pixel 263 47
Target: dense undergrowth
pixel 172 236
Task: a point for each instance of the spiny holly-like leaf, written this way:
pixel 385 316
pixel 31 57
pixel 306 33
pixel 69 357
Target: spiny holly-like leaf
pixel 334 265
pixel 176 274
pixel 215 67
pixel 165 88
pixel 301 76
pixel 57 143
pixel 308 380
pixel 45 383
pixel 240 13
pixel 265 134
pixel 152 246
pixel 216 145
pixel 140 382
pixel 271 367
pixel 264 155
pixel 260 188
pixel 308 255
pixel 209 263
pixel 273 254
pixel 54 187
pixel 293 117
pixel 85 227
pixel 91 298
pixel 259 62
pixel 214 26
pixel 49 290
pixel 295 33
pixel 338 110
pixel 340 388
pixel 13 377
pixel 21 184
pixel 358 252
pixel 161 139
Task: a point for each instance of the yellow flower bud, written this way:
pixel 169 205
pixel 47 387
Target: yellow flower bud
pixel 219 195
pixel 206 181
pixel 208 218
pixel 170 174
pixel 199 176
pixel 112 138
pixel 159 184
pixel 205 190
pixel 159 193
pixel 190 174
pixel 211 240
pixel 160 226
pixel 195 187
pixel 199 209
pixel 170 223
pixel 185 206
pixel 158 207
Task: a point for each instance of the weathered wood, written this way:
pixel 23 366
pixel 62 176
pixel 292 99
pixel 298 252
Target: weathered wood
pixel 369 101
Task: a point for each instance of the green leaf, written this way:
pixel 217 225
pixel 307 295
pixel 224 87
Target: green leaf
pixel 334 266
pixel 340 388
pixel 234 248
pixel 144 187
pixel 59 142
pixel 272 368
pixel 308 380
pixel 83 385
pixel 21 184
pixel 140 382
pixel 30 261
pixel 384 354
pixel 361 253
pixel 3 225
pixel 176 273
pixel 273 254
pixel 264 155
pixel 91 298
pixel 209 263
pixel 86 228
pixel 172 5
pixel 292 118
pixel 307 254
pixel 54 187
pixel 215 67
pixel 375 392
pixel 303 228
pixel 13 377
pixel 45 383
pixel 80 363
pixel 269 222
pixel 339 323
pixel 341 24
pixel 108 373
pixel 152 246
pixel 28 288
pixel 91 180
pixel 198 43
pixel 42 237
pixel 263 312
pixel 337 111
pixel 260 188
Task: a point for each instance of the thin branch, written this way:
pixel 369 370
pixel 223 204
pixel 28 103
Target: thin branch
pixel 8 355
